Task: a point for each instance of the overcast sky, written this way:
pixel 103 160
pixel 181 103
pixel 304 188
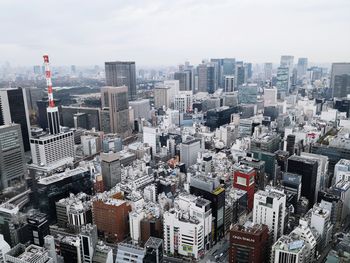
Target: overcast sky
pixel 168 32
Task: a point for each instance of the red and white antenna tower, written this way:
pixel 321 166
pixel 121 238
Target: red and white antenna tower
pixel 48 81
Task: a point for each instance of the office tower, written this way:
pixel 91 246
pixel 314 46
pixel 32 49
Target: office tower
pixel 248 93
pixel 151 227
pixel 90 117
pixel 110 169
pixel 270 97
pixel 70 248
pixel 240 74
pixel 185 80
pixel 342 189
pixel 302 67
pixel 37 70
pixel 88 241
pixel 291 183
pixel 141 108
pixel 342 170
pixel 268 71
pixel 33 94
pixel 307 168
pixel 244 179
pixel 162 97
pixel 249 243
pixel 4 248
pixel 12 159
pixel 48 190
pixel 121 73
pixel 38 227
pixel 229 66
pixel 219 116
pixel 229 83
pixel 150 136
pixel 111 217
pixel 249 70
pixel 116 100
pixel 206 78
pixel 22 254
pixel 340 79
pixel 287 62
pixel 266 142
pixel 154 250
pixel 270 209
pixel 219 68
pixel 282 82
pixel 183 101
pixel 14 109
pixel 189 150
pixel 290 144
pixel 210 189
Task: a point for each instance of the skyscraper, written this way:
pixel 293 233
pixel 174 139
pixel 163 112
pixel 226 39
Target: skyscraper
pixel 340 79
pixel 287 62
pixel 270 209
pixel 207 77
pixel 240 74
pixel 283 82
pixel 268 71
pixel 185 79
pixel 14 109
pixel 116 100
pixel 12 159
pixel 111 170
pixel 302 67
pixel 120 73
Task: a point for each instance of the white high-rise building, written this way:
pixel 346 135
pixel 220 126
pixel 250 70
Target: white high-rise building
pixel 151 137
pixel 183 234
pixel 229 83
pixel 53 150
pixel 321 221
pixel 270 97
pixel 183 101
pixel 4 248
pixel 198 208
pixel 288 62
pixel 135 218
pixel 270 209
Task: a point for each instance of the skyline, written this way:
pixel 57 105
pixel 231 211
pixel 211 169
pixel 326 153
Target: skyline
pixel 163 33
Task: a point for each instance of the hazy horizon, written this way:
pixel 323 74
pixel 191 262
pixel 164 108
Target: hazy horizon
pixel 165 33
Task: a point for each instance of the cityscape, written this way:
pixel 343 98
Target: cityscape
pixel 147 157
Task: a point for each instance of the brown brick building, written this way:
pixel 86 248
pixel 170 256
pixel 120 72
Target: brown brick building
pixel 111 217
pixel 249 244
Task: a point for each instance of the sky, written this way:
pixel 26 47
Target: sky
pixel 168 32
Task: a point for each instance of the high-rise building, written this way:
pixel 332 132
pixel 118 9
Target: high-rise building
pixel 22 254
pixel 14 109
pixel 207 77
pixel 183 101
pixel 302 67
pixel 122 73
pixel 340 79
pixel 270 97
pixel 12 159
pixel 249 243
pixel 116 100
pixel 38 228
pixel 111 217
pixel 247 93
pixel 283 82
pixel 162 97
pixel 141 108
pixel 229 66
pixel 270 209
pixel 240 74
pixel 287 62
pixel 268 71
pixel 4 248
pixel 188 152
pixel 210 189
pixel 229 83
pixel 307 168
pixel 88 241
pixel 111 169
pixel 185 80
pixel 244 179
pixel 129 253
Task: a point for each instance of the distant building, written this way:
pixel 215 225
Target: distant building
pixel 162 97
pixel 110 169
pixel 283 82
pixel 122 73
pixel 116 100
pixel 340 79
pixel 302 67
